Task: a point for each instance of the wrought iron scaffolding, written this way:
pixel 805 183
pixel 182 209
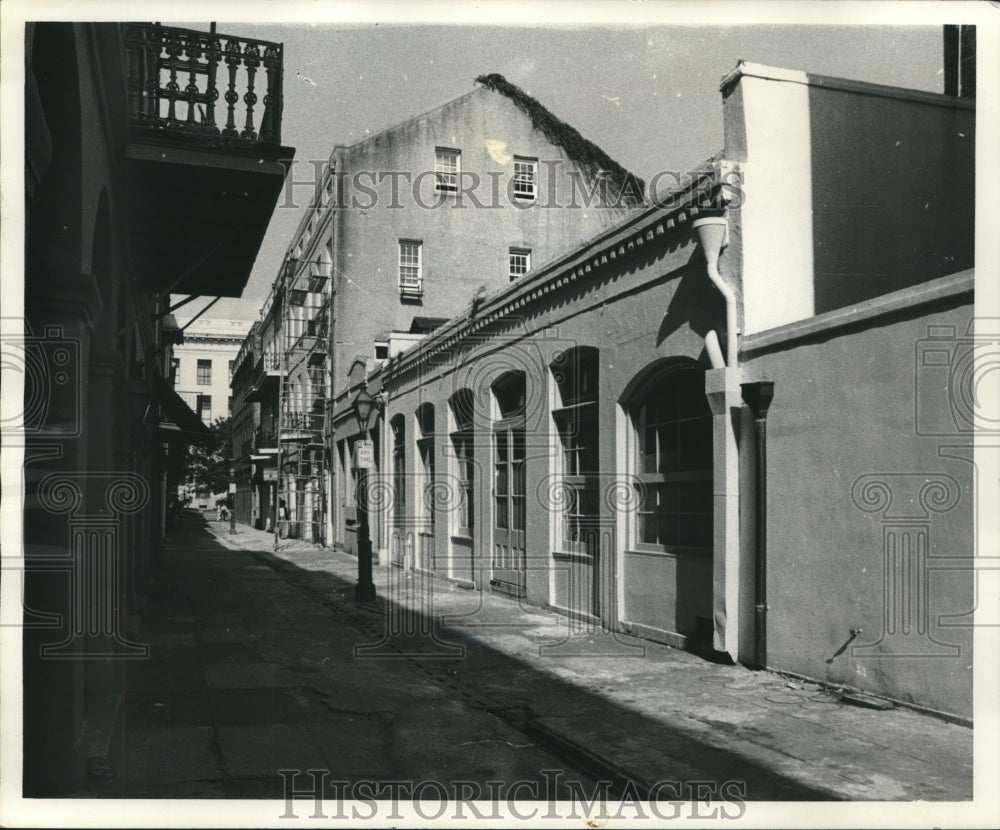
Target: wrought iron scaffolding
pixel 303 391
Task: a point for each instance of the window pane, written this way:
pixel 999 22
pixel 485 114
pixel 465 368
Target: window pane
pixel 446 171
pixel 517 512
pixel 204 377
pixel 501 512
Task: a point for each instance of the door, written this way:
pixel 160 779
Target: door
pixel 509 506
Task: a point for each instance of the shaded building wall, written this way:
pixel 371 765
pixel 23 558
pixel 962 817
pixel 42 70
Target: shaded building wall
pixel 865 189
pixel 870 499
pixel 94 467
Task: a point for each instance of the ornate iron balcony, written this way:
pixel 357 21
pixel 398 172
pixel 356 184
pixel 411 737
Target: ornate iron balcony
pixel 173 85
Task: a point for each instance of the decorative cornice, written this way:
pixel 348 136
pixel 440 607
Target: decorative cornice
pixel 581 267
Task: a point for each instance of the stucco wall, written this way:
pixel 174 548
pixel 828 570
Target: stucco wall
pixel 841 433
pixel 863 190
pixel 638 312
pixel 465 245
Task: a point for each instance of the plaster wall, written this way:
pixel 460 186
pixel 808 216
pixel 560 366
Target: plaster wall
pixel 853 477
pixel 850 190
pixel 465 238
pixel 640 313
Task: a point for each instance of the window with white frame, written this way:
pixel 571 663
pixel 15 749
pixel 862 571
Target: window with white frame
pixel 673 464
pixel 518 262
pixel 205 408
pixel 525 178
pixel 410 267
pixel 204 376
pixel 447 167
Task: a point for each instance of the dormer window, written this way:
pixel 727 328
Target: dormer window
pixel 447 164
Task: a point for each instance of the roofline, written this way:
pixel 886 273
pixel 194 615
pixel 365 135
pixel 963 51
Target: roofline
pixel 405 121
pixel 748 69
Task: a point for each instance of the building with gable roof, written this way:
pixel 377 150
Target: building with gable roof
pixel 407 228
pixel 739 421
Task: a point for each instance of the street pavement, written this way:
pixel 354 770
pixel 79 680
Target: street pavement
pixel 261 661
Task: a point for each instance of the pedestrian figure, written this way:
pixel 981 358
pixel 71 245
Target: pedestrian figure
pixel 282 518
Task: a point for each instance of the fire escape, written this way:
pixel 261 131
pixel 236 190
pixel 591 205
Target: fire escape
pixel 303 471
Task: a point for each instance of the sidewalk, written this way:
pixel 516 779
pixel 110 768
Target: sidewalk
pixel 628 709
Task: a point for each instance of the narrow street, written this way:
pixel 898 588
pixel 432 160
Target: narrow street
pixel 253 670
pixel 250 673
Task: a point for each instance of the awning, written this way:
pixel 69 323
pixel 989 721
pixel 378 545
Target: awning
pixel 179 422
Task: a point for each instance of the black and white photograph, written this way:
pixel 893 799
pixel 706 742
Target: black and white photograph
pixel 530 414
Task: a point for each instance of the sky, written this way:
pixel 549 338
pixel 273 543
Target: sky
pixel 646 94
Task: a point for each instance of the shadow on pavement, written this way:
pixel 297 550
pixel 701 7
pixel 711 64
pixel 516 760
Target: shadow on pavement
pixel 253 670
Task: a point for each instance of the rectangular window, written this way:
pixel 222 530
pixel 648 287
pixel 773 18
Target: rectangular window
pixel 576 373
pixel 205 408
pixel 230 404
pixel 410 267
pixel 399 471
pixel 519 262
pixel 461 405
pixel 461 442
pixel 232 365
pixel 175 370
pixel 447 166
pixel 425 450
pixel 204 372
pixel 425 455
pixel 525 178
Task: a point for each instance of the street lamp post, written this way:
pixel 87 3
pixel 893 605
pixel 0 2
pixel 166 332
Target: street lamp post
pixel 365 409
pixel 232 501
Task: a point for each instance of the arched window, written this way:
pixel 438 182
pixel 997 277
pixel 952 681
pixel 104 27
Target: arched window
pixel 673 464
pixel 461 404
pixel 576 376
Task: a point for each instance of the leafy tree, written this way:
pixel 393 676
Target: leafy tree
pixel 209 463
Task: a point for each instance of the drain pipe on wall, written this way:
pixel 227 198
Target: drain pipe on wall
pixel 722 389
pixel 712 233
pixel 758 397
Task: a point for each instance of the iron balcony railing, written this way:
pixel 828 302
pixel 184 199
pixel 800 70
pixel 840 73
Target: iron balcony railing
pixel 174 85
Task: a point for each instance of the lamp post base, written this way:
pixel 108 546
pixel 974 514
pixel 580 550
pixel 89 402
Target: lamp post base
pixel 364 593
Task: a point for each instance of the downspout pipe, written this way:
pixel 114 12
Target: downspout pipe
pixel 712 233
pixel 723 394
pixel 758 397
